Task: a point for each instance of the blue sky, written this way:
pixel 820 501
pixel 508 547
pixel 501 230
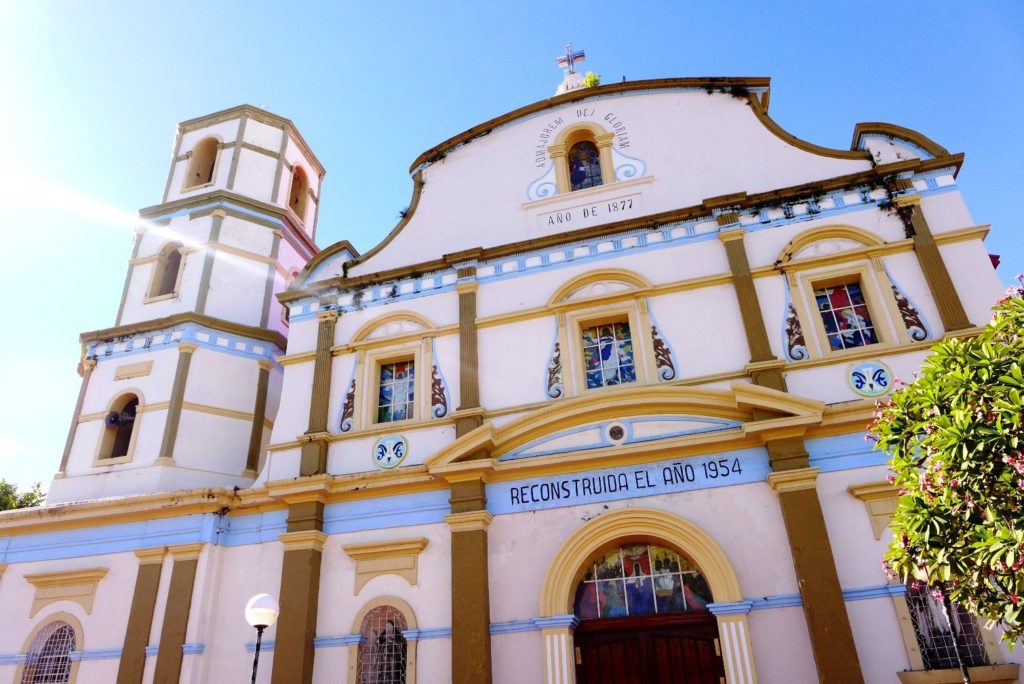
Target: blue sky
pixel 90 94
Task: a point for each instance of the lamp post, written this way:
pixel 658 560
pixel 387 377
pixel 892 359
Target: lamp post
pixel 260 612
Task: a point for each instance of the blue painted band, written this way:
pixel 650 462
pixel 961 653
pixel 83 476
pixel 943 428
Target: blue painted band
pixel 782 601
pixel 13 658
pixel 570 621
pixel 880 591
pixel 514 626
pixel 730 608
pixel 420 634
pixel 193 649
pixel 266 645
pixel 98 654
pixel 152 650
pixel 343 640
pixel 613 484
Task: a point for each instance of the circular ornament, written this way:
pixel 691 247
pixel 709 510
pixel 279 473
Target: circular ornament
pixel 615 432
pixel 390 451
pixel 870 378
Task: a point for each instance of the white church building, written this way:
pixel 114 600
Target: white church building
pixel 593 414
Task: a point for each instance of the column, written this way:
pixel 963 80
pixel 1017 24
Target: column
pixel 140 619
pixel 604 150
pixel 313 459
pixel 300 593
pixel 471 611
pixel 828 623
pixel 179 604
pixel 185 351
pixel 559 652
pixel 468 417
pixel 947 300
pixel 87 367
pixel 734 641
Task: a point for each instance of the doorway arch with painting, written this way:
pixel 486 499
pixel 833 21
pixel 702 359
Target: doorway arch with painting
pixel 644 618
pixel 642 595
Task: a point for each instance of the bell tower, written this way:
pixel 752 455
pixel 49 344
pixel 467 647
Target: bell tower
pixel 183 390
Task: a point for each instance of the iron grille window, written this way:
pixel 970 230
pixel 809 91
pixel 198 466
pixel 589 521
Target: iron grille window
pixel 383 652
pixel 49 657
pixel 937 643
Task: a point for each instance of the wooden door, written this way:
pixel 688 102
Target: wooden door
pixel 657 649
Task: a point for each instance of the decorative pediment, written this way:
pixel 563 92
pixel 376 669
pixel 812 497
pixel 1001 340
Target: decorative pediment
pixel 394 325
pixel 624 431
pixel 644 418
pixel 598 284
pixel 825 242
pixel 72 585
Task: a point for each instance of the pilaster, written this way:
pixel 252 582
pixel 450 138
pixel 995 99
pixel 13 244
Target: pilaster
pixel 140 619
pixel 947 299
pixel 313 459
pixel 300 592
pixel 185 351
pixel 87 366
pixel 259 413
pixel 559 655
pixel 828 623
pixel 469 364
pixel 179 604
pixel 471 639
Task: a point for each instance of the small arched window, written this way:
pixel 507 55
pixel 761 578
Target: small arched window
pixel 299 193
pixel 383 652
pixel 584 165
pixel 204 158
pixel 640 579
pixel 168 266
pixel 49 656
pixel 119 427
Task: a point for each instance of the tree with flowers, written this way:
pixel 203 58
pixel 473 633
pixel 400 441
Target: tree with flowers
pixel 957 444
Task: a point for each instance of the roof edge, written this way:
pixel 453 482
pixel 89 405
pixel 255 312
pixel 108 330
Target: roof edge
pixel 900 132
pixel 714 83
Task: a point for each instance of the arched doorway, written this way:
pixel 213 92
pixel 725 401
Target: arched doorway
pixel 644 619
pixel 691 554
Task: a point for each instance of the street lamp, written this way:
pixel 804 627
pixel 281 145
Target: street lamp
pixel 260 612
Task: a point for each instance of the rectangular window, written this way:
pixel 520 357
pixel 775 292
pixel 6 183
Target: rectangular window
pixel 845 315
pixel 397 389
pixel 936 641
pixel 608 355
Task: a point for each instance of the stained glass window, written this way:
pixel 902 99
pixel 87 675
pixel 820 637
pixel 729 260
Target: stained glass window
pixel 608 355
pixel 640 579
pixel 49 657
pixel 845 315
pixel 397 385
pixel 584 165
pixel 384 651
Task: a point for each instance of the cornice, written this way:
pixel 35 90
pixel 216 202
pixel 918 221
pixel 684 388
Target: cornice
pixel 705 210
pixel 261 115
pixel 722 84
pixel 271 336
pixel 294 234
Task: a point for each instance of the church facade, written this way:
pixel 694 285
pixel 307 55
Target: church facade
pixel 595 413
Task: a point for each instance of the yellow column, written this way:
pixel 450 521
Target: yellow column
pixel 734 641
pixel 559 652
pixel 604 149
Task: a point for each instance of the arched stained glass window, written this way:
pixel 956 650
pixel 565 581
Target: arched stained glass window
pixel 49 657
pixel 640 579
pixel 383 651
pixel 584 165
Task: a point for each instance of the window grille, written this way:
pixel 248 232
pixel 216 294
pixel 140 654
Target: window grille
pixel 845 315
pixel 938 648
pixel 49 660
pixel 383 651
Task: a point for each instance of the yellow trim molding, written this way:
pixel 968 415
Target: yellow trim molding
pixel 640 524
pixel 71 585
pixel 303 540
pixel 793 480
pixel 184 552
pixel 880 500
pixel 133 370
pixel 151 556
pixel 469 521
pixel 399 557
